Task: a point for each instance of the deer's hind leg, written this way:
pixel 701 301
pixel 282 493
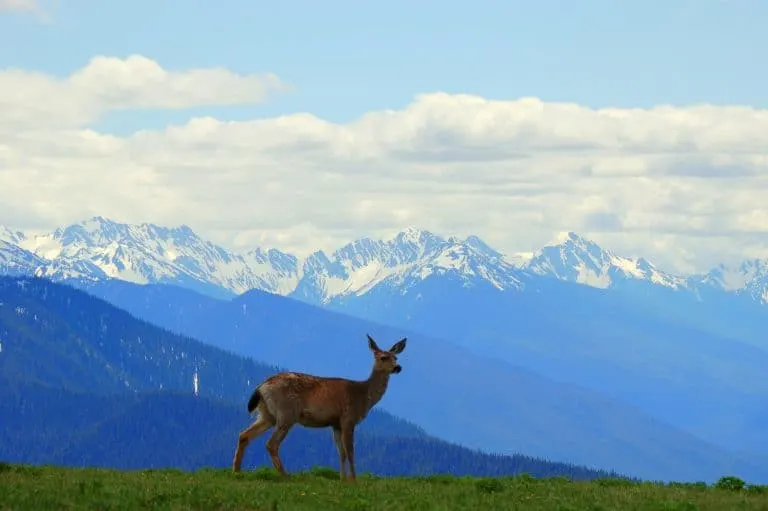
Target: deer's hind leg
pixel 262 424
pixel 273 445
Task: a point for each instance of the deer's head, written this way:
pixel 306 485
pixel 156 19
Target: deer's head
pixel 386 361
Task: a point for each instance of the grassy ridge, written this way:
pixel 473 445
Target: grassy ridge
pixel 38 488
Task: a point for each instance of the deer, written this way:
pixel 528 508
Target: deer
pixel 289 398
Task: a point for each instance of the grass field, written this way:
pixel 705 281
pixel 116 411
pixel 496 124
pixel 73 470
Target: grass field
pixel 38 488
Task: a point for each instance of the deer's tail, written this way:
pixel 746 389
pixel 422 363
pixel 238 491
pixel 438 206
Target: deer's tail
pixel 254 401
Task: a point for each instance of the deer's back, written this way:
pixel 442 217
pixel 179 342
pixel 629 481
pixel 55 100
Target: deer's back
pixel 312 401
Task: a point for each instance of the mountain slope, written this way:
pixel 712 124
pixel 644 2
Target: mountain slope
pixel 448 390
pixel 597 339
pixel 62 338
pixel 160 430
pixel 15 261
pixel 77 374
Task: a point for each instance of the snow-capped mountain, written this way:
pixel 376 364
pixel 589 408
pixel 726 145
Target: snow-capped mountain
pixel 99 248
pixel 750 278
pixel 412 255
pixel 573 258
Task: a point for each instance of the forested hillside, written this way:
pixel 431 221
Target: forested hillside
pixel 83 383
pixel 448 389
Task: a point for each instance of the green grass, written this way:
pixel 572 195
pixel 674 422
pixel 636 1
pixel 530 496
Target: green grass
pixel 37 488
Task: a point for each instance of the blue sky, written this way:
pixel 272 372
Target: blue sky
pixel 683 186
pixel 348 57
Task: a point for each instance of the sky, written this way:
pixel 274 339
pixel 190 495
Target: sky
pixel 303 125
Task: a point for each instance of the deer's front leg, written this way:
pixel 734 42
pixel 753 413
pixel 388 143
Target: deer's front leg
pixel 348 440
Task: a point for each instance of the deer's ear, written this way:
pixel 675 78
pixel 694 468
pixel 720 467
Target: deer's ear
pixel 398 347
pixel 372 344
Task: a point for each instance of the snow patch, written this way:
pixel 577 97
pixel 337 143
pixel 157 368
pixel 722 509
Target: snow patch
pixel 42 245
pixel 519 258
pixel 734 280
pixel 628 266
pixel 591 278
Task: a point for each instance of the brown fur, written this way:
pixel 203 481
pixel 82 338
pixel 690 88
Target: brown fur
pixel 286 399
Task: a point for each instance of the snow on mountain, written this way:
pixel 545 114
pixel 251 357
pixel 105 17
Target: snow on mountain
pixel 466 259
pixel 10 236
pixel 573 258
pixel 409 256
pixel 749 278
pixel 16 261
pixel 272 270
pixel 146 253
pixel 99 248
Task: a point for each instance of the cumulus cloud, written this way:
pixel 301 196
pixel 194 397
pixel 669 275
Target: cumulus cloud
pixel 35 101
pixel 683 186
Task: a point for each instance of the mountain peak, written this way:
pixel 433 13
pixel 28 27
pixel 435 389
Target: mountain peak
pixel 147 252
pixel 414 235
pixel 100 247
pixel 98 219
pixel 85 230
pixel 568 238
pixel 481 246
pixel 572 257
pixel 749 277
pixel 96 224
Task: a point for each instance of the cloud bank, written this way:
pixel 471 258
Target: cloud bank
pixel 684 186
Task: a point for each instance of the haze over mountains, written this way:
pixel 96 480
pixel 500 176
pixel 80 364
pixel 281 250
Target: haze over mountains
pixel 591 357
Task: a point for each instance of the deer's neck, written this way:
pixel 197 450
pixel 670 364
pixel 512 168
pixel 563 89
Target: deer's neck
pixel 376 386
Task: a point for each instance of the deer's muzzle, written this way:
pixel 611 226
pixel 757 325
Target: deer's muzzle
pixel 396 369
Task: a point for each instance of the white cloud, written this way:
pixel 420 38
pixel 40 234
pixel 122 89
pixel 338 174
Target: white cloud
pixel 684 186
pixel 36 101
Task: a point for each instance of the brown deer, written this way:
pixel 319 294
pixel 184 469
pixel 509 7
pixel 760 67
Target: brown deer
pixel 285 399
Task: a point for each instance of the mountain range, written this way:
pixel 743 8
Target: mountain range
pixel 594 338
pixel 99 248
